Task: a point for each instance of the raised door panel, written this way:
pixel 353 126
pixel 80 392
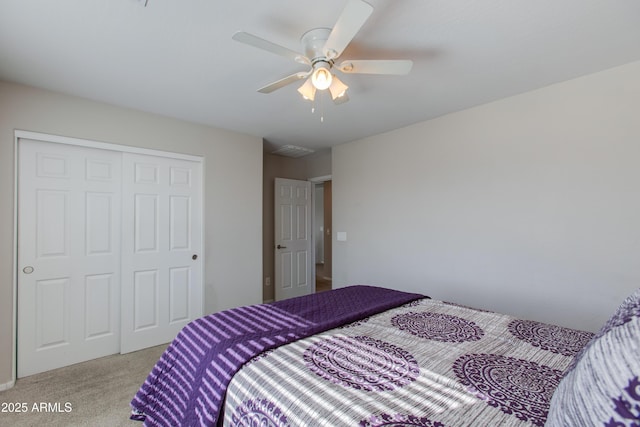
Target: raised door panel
pixel 146 173
pixel 146 300
pixel 52 226
pixel 146 226
pixel 286 270
pixel 100 170
pixel 286 221
pixel 179 285
pixel 180 177
pixel 301 222
pixel 99 310
pixel 52 309
pixel 49 165
pixel 180 223
pixel 99 223
pixel 302 258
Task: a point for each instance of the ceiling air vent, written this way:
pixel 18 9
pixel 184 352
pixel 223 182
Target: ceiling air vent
pixel 292 151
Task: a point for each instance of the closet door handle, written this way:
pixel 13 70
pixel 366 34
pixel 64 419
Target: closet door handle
pixel 281 247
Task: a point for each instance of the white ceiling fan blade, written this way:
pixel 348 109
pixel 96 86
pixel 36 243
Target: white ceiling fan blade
pixel 263 44
pixel 352 18
pixel 374 66
pixel 283 82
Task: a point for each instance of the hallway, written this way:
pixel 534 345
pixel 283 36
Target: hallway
pixel 323 283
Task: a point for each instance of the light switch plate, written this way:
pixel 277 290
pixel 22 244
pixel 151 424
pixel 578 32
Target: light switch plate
pixel 341 236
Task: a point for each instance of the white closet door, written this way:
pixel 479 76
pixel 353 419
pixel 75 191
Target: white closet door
pixel 161 256
pixel 68 255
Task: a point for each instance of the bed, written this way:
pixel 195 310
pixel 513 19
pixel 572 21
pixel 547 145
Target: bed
pixel 369 356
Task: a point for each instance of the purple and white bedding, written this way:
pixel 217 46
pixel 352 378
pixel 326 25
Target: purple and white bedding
pixel 426 363
pixel 187 385
pixel 367 356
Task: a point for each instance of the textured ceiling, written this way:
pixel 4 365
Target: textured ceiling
pixel 177 58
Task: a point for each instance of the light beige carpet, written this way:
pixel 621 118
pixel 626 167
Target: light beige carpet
pixel 95 393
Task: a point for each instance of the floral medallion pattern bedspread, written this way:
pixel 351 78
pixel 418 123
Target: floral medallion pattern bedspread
pixel 426 363
pixel 187 385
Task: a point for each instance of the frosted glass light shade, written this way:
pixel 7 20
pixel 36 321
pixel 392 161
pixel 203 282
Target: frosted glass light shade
pixel 321 76
pixel 307 90
pixel 337 88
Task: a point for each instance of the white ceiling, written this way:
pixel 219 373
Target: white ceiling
pixel 177 58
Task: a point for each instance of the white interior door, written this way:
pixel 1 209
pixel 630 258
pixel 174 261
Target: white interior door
pixel 293 257
pixel 68 255
pixel 161 266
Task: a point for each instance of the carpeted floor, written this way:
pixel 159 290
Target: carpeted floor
pixel 323 283
pixel 95 393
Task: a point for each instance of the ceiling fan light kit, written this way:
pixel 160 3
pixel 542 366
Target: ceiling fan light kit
pixel 321 76
pixel 337 88
pixel 308 90
pixel 321 47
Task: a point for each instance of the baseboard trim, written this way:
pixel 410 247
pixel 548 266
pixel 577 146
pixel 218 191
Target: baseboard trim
pixel 7 386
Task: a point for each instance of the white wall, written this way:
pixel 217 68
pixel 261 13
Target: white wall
pixel 529 205
pixel 233 188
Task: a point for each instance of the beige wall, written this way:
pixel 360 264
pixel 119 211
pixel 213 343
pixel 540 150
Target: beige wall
pixel 318 164
pixel 315 165
pixel 529 205
pixel 233 188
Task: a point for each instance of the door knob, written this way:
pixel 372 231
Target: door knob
pixel 281 247
pixel 28 270
pixel 194 257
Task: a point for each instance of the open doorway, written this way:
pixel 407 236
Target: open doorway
pixel 322 235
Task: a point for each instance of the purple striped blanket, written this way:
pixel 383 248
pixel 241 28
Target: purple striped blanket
pixel 187 385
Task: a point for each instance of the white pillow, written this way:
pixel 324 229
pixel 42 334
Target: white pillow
pixel 602 387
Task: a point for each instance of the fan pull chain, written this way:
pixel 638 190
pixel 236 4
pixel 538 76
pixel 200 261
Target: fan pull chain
pixel 314 104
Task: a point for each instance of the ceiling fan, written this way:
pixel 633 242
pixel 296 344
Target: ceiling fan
pixel 322 47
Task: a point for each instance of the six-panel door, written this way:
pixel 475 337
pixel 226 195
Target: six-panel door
pixel 293 257
pixel 161 264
